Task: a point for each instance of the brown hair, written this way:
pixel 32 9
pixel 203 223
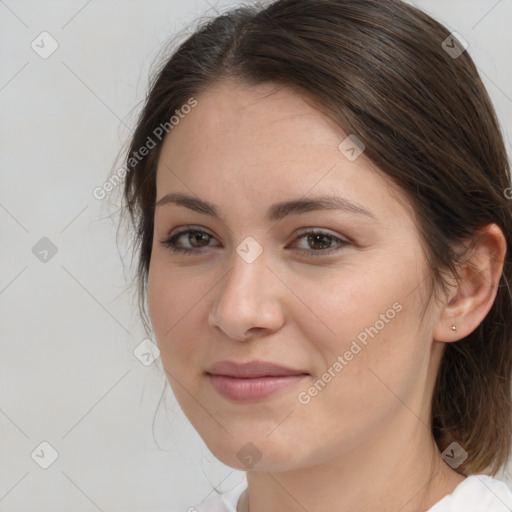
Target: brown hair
pixel 381 70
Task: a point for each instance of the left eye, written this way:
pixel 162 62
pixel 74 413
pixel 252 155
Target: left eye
pixel 313 238
pixel 321 238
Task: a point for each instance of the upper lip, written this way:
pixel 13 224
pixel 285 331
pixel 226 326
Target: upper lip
pixel 251 369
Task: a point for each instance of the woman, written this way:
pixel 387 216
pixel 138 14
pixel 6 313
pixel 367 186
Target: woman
pixel 319 190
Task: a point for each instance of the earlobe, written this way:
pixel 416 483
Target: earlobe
pixel 477 286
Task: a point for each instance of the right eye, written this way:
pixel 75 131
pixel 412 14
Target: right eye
pixel 195 236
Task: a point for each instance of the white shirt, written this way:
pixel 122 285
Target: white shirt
pixel 477 493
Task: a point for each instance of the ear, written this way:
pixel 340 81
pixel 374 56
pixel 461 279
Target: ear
pixel 473 295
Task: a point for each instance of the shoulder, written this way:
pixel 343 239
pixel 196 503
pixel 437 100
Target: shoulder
pixel 225 502
pixel 478 493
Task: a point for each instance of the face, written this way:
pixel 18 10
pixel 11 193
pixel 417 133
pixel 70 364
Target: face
pixel 335 295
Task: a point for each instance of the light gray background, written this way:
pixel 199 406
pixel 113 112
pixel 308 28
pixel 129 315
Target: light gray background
pixel 69 326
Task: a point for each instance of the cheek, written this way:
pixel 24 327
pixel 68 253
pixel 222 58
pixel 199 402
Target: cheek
pixel 166 305
pixel 160 303
pixel 171 293
pixel 357 385
pixel 362 328
pixel 356 304
pixel 175 299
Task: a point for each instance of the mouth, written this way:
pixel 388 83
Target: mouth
pixel 252 381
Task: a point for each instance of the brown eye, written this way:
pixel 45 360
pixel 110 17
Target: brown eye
pixel 320 243
pixel 196 238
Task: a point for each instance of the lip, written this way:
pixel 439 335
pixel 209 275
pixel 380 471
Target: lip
pixel 255 380
pixel 252 369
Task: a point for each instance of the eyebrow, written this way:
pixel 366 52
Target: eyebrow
pixel 277 211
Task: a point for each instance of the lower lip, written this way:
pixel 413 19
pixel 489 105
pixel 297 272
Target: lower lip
pixel 258 388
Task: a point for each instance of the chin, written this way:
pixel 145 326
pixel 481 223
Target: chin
pixel 252 453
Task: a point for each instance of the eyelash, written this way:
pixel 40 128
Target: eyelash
pixel 171 242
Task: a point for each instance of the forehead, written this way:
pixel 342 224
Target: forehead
pixel 255 121
pixel 264 142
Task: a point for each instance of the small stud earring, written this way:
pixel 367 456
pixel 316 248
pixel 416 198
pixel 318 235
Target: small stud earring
pixel 453 328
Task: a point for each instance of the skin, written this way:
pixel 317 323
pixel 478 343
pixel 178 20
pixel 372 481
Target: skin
pixel 363 442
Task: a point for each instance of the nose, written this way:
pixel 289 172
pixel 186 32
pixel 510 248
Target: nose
pixel 248 300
